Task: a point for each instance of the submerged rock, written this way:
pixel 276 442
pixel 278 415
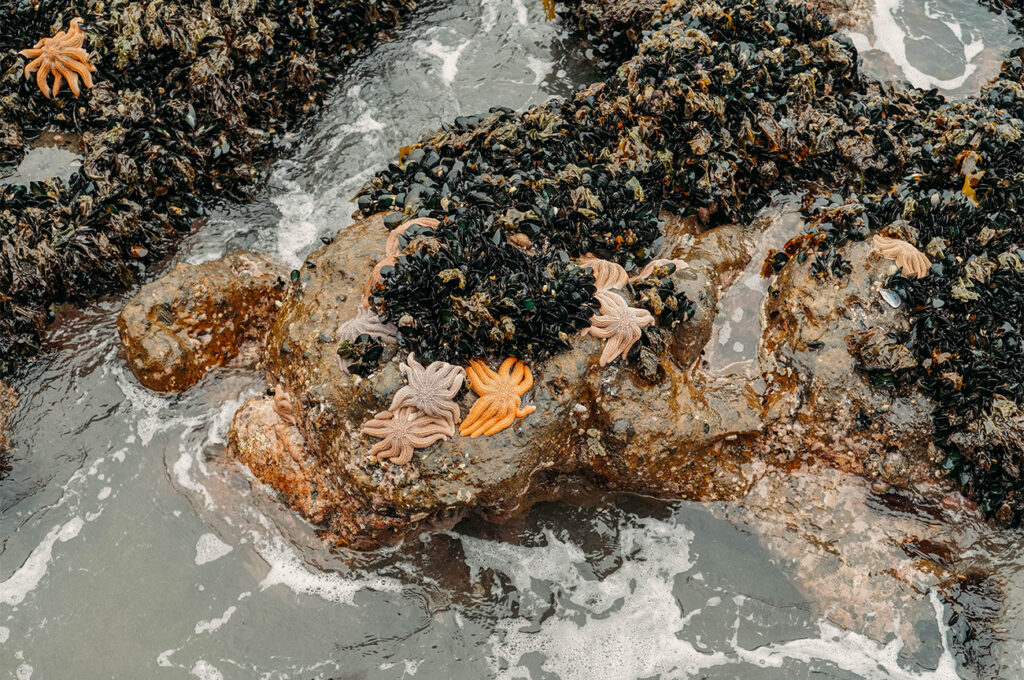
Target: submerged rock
pixel 199 316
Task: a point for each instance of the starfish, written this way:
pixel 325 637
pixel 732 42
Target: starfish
pixel 908 258
pixel 391 248
pixel 283 405
pixel 63 56
pixel 431 389
pixel 366 322
pixel 606 274
pixel 403 431
pixel 650 267
pixel 619 324
pixel 499 404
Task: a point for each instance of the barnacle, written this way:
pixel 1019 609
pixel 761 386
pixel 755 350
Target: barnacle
pixel 404 430
pixel 908 258
pixel 63 56
pixel 499 404
pixel 619 324
pixel 430 389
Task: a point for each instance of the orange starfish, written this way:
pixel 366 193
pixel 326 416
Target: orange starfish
pixel 499 404
pixel 63 56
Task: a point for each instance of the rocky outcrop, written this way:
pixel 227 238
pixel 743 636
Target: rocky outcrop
pixel 199 316
pixel 677 429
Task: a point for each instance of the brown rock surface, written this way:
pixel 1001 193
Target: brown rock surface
pixel 199 316
pixel 8 402
pixel 692 424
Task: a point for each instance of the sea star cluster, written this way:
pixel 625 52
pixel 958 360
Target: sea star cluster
pixel 421 413
pixel 63 57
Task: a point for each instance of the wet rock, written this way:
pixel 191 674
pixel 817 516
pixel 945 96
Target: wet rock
pixel 693 434
pixel 850 410
pixel 197 317
pixel 8 402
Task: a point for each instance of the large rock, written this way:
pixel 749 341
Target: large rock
pixel 199 316
pixel 691 432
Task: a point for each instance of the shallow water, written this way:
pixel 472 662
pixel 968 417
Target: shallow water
pixel 132 547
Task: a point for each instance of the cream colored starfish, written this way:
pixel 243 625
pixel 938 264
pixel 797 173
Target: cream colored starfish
pixel 431 390
pixel 403 431
pixel 619 324
pixel 606 274
pixel 283 405
pixel 391 248
pixel 63 56
pixel 908 258
pixel 366 322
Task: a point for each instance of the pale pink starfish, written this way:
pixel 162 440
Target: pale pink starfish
pixel 619 324
pixel 391 248
pixel 365 322
pixel 431 390
pixel 403 431
pixel 283 405
pixel 606 274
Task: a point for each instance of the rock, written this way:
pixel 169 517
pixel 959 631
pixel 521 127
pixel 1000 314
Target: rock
pixel 8 402
pixel 199 316
pixel 683 427
pixel 814 334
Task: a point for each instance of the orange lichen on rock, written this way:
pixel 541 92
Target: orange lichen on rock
pixel 63 56
pixel 499 404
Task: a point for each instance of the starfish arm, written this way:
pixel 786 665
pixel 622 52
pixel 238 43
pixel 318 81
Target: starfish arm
pixel 41 74
pixel 601 331
pixel 58 80
pixel 526 382
pixel 31 53
pixel 506 366
pixel 401 398
pixel 404 455
pixel 32 67
pixel 480 412
pixel 612 350
pixel 71 76
pixel 480 377
pixel 382 450
pixel 517 372
pixel 525 411
pixel 496 426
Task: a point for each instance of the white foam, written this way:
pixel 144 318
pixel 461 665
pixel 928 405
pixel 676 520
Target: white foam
pixel 24 672
pixel 449 57
pixel 214 624
pixel 204 670
pixel 104 493
pixel 853 652
pixel 5 634
pixel 623 626
pixel 890 38
pixel 541 68
pixel 297 229
pixel 28 576
pixel 181 469
pixel 288 570
pixel 210 548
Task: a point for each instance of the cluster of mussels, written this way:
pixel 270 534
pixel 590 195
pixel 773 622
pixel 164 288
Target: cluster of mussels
pixel 722 106
pixel 959 206
pixel 189 97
